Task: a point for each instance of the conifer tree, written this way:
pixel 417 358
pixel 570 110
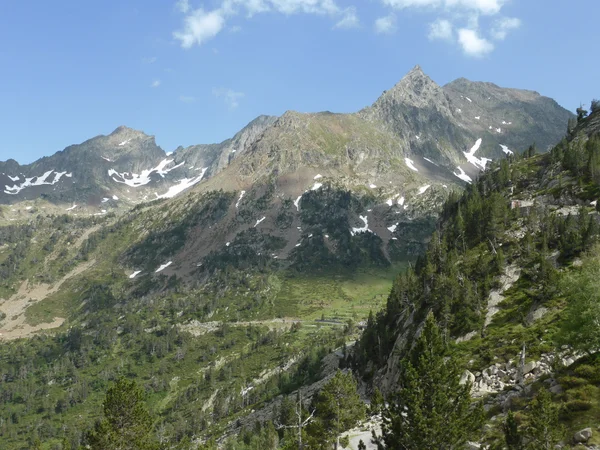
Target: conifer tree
pixel 432 410
pixel 512 436
pixel 582 290
pixel 127 424
pixel 544 431
pixel 338 407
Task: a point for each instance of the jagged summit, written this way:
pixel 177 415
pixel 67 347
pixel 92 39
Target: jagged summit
pixel 415 89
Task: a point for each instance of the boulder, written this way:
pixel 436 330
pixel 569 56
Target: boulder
pixel 528 367
pixel 556 389
pixel 467 377
pixel 583 436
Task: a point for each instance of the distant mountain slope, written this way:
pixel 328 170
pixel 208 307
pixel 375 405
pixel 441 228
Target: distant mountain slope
pixel 415 133
pixel 118 170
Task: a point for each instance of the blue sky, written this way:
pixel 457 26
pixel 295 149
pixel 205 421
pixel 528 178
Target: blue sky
pixel 194 72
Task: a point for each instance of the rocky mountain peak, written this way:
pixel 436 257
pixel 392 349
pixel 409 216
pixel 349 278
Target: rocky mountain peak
pixel 414 89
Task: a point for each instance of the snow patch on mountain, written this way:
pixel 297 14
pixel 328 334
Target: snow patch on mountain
pixel 184 184
pixel 163 267
pixel 35 181
pixel 137 180
pixel 477 162
pixel 242 193
pixel 411 165
pixel 258 222
pixel 462 175
pixel 506 150
pixel 364 229
pixel 423 189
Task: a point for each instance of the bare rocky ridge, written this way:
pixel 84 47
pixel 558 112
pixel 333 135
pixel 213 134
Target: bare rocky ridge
pixel 414 133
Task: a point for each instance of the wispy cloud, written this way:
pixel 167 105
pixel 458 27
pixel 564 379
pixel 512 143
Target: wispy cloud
pixel 199 25
pixel 350 20
pixel 503 26
pixel 385 25
pixel 488 7
pixel 149 60
pixel 473 44
pixel 183 6
pixel 231 97
pixel 155 83
pixel 441 29
pixel 458 22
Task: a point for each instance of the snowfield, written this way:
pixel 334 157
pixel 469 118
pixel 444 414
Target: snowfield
pixel 462 175
pixel 184 184
pixel 364 229
pixel 137 180
pixel 423 189
pixel 36 181
pixel 411 165
pixel 163 267
pixel 477 162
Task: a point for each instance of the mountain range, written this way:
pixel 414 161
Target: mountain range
pixel 225 277
pixel 414 134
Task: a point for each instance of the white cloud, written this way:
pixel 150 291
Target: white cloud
pixel 488 7
pixel 503 26
pixel 150 60
pixel 183 6
pixel 155 83
pixel 473 44
pixel 386 25
pixel 199 27
pixel 187 99
pixel 350 20
pixel 284 6
pixel 230 96
pixel 441 29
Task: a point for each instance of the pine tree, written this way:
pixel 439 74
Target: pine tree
pixel 512 437
pixel 432 410
pixel 544 431
pixel 127 424
pixel 338 407
pixel 582 290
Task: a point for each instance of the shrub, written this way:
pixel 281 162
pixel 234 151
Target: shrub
pixel 588 372
pixel 582 393
pixel 569 382
pixel 578 405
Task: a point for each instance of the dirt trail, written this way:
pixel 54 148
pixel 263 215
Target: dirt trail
pixel 14 325
pixel 196 328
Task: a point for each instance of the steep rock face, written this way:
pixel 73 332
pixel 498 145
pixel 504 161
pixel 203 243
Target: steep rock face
pixel 217 157
pixel 511 117
pixel 421 115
